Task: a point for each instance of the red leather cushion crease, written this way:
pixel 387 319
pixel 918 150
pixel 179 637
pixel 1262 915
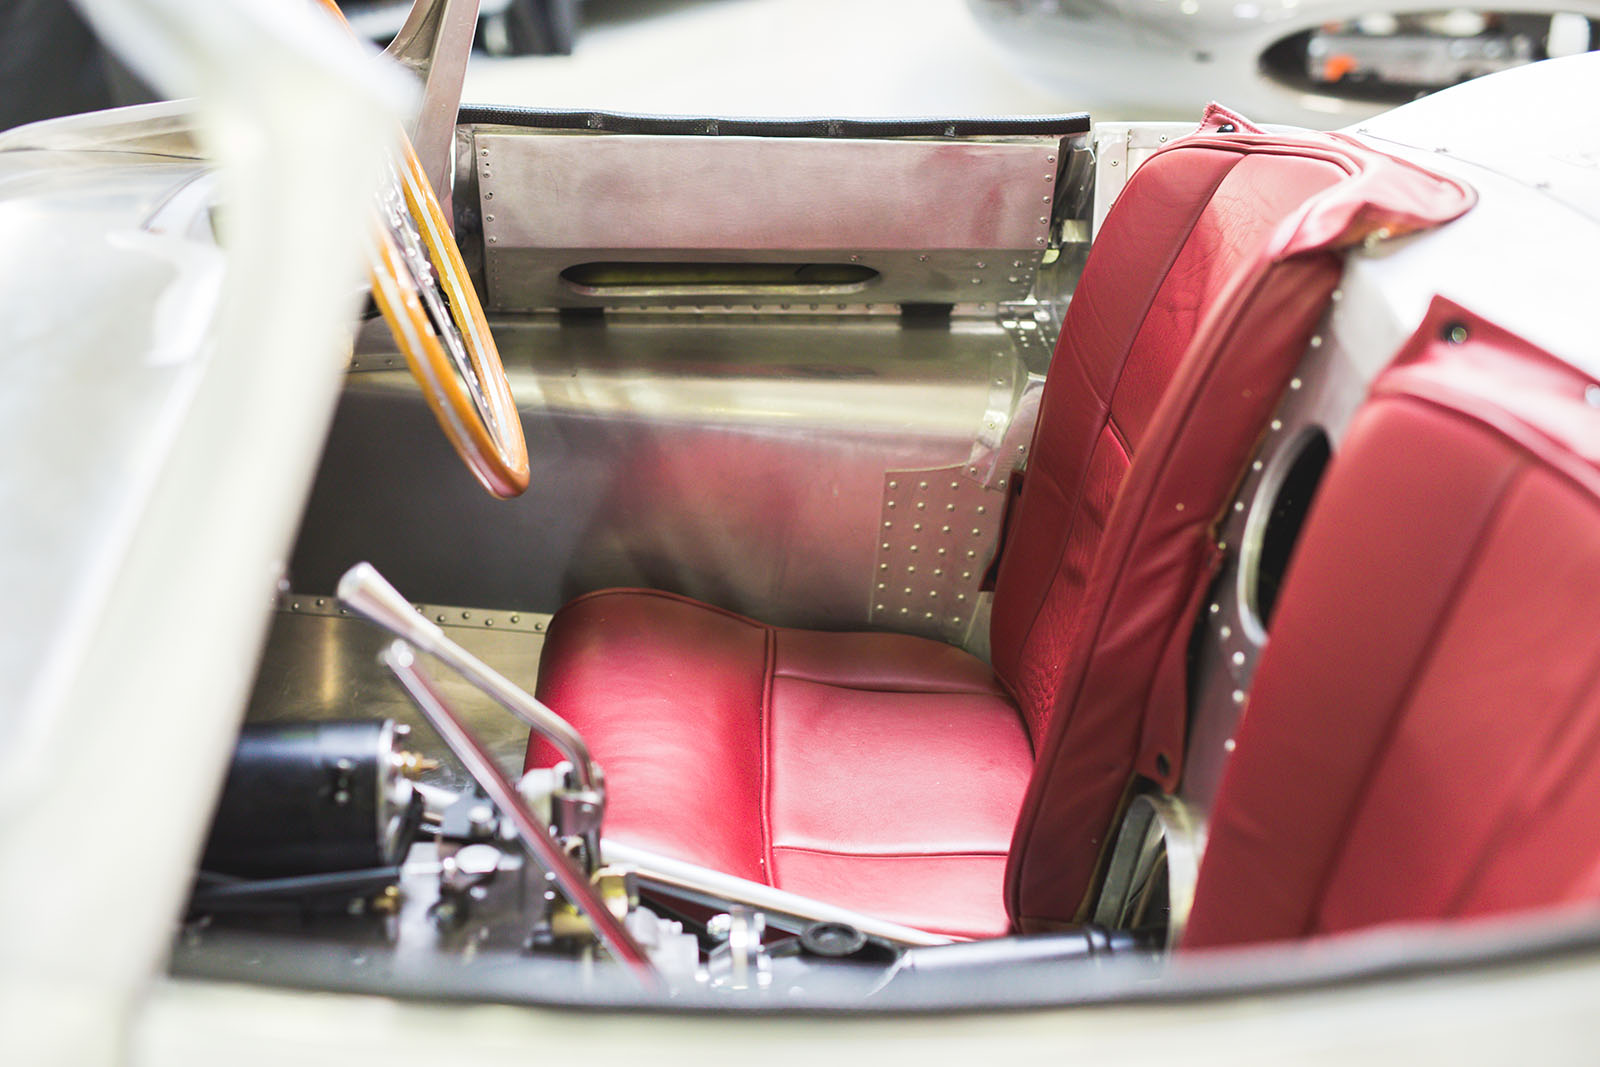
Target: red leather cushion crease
pixel 954 895
pixel 882 662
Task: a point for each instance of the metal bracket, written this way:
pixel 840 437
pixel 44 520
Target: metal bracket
pixel 1158 830
pixel 433 45
pixel 1003 437
pixel 533 833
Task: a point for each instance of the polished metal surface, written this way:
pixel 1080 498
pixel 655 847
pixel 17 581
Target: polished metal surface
pixel 741 961
pixel 1273 494
pixel 395 790
pixel 1015 390
pixel 940 221
pixel 321 663
pixel 433 45
pixel 739 458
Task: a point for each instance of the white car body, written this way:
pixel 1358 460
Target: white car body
pixel 159 443
pixel 1152 58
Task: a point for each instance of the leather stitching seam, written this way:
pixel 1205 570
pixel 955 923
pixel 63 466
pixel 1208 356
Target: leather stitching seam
pixel 993 693
pixel 848 854
pixel 768 669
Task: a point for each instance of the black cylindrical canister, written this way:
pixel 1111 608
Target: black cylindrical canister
pixel 311 797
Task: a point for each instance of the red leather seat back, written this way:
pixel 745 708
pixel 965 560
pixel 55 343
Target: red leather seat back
pixel 1422 739
pixel 1194 310
pixel 1187 224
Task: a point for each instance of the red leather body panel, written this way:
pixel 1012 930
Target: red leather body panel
pixel 876 771
pixel 1423 737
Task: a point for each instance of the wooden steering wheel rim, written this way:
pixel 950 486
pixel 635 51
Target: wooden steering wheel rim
pixel 489 442
pixel 486 431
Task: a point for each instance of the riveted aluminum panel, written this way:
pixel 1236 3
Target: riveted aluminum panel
pixel 1328 386
pixel 741 459
pixel 321 663
pixel 940 221
pixel 938 530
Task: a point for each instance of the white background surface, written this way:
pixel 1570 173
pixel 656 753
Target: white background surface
pixel 771 57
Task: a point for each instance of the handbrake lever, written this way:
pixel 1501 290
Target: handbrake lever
pixel 532 831
pixel 369 594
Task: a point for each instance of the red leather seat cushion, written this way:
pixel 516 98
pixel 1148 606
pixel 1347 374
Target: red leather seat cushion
pixel 879 772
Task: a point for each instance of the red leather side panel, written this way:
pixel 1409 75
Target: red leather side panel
pixel 1423 736
pixel 882 662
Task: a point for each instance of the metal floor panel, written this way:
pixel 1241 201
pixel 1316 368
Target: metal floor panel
pixel 320 663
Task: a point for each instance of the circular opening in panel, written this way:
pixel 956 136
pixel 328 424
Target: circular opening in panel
pixel 1273 528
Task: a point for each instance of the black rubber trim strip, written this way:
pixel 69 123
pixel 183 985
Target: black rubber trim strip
pixel 1387 958
pixel 688 125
